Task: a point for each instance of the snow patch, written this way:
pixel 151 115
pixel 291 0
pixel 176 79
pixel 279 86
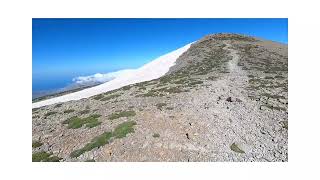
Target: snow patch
pixel 149 71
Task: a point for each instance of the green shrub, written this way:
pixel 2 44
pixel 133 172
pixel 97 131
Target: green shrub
pixel 165 79
pixel 195 83
pixel 58 105
pixel 44 157
pixel 212 78
pixel 49 113
pixel 274 107
pixel 120 114
pixel 268 77
pixel 36 144
pixel 125 88
pixel 35 110
pixel 279 77
pixel 123 129
pixel 284 124
pixel 76 122
pixel 149 94
pixel 156 135
pixel 181 81
pixel 110 97
pixel 90 160
pixel 86 111
pixel 96 142
pixel 160 105
pixel 272 96
pixel 35 116
pixel 68 111
pixel 97 97
pixel 119 132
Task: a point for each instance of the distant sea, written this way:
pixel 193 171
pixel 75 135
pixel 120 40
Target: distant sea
pixel 47 86
pixel 44 86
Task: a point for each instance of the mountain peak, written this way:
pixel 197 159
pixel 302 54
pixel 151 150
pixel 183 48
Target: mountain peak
pixel 218 99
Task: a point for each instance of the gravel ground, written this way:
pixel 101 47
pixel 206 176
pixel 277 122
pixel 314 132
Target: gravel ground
pixel 224 100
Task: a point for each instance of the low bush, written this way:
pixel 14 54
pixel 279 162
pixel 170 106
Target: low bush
pixel 119 132
pixel 44 157
pixel 120 114
pixel 96 142
pixel 76 122
pixel 36 144
pixel 68 111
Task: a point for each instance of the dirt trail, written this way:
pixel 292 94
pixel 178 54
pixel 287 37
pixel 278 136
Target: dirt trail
pixel 229 116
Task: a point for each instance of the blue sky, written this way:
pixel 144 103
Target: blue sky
pixel 67 48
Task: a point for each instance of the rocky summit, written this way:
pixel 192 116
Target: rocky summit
pixel 225 99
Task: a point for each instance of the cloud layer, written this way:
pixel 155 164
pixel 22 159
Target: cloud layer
pixel 99 78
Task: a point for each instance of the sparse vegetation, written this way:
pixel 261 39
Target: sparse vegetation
pixel 120 114
pixel 284 124
pixel 58 105
pixel 151 93
pixel 97 97
pixel 44 157
pixel 35 110
pixel 89 122
pixel 268 77
pixel 36 144
pixel 119 132
pixel 160 105
pixel 142 88
pixel 274 107
pixel 212 78
pixel 49 114
pixel 86 111
pixel 172 90
pixel 235 148
pixel 96 142
pixel 35 116
pixel 235 37
pixel 279 77
pixel 156 135
pixel 267 73
pixel 123 129
pixel 125 88
pixel 195 83
pixel 181 81
pixel 110 97
pixel 90 160
pixel 68 111
pixel 272 96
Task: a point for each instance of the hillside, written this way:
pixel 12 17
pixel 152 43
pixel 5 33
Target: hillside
pixel 225 99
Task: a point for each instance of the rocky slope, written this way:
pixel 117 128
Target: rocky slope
pixel 226 99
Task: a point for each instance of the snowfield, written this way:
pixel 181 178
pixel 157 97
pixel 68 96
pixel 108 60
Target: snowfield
pixel 149 71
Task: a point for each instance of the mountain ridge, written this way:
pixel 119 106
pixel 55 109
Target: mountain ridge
pixel 225 99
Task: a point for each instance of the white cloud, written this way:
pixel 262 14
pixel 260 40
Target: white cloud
pixel 99 78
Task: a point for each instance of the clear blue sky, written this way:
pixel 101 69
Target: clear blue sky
pixel 66 48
